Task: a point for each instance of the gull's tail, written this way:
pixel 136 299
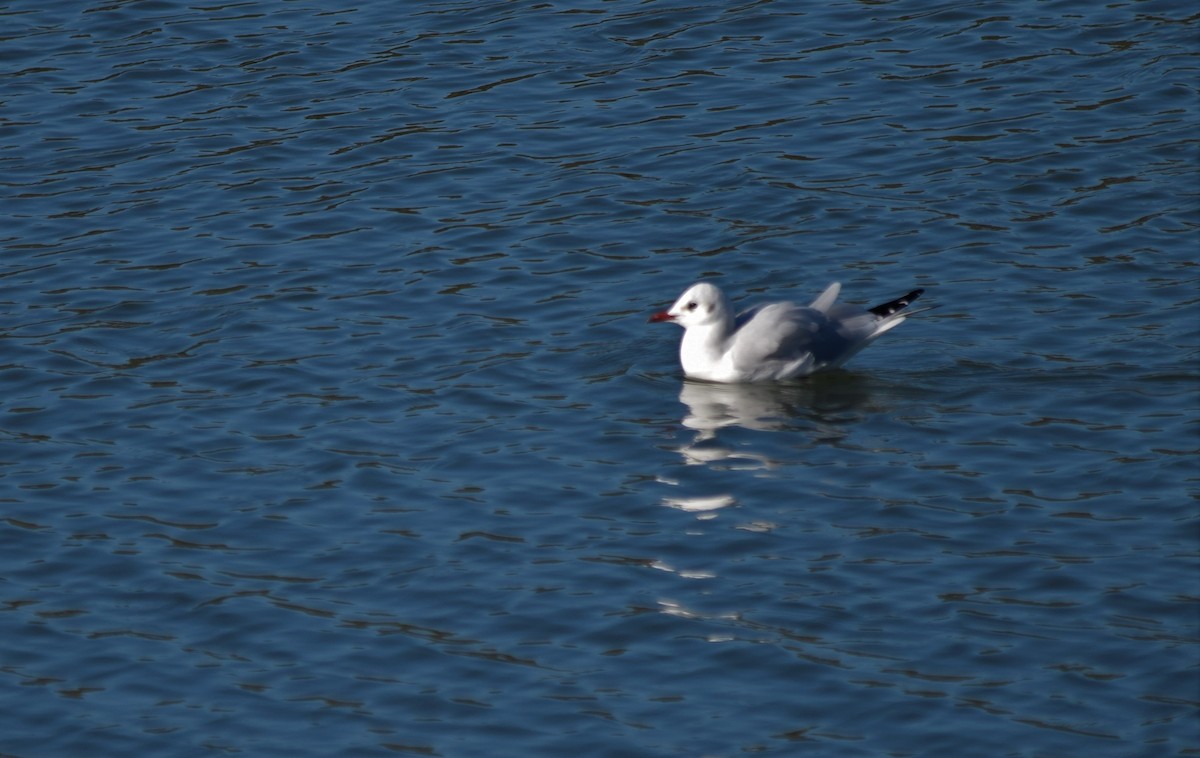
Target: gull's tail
pixel 892 307
pixel 893 313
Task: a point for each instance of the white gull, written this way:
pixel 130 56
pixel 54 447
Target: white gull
pixel 776 341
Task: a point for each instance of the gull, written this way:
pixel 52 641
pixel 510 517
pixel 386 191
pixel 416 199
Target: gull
pixel 777 341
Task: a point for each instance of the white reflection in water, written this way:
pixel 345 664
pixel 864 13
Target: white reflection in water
pixel 713 406
pixel 808 408
pixel 682 573
pixel 762 407
pixel 700 504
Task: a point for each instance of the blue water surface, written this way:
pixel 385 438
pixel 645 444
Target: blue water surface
pixel 331 423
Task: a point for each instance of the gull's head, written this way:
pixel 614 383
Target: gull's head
pixel 701 304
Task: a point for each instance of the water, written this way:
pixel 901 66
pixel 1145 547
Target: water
pixel 332 424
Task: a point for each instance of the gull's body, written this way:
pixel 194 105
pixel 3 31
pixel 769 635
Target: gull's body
pixel 777 341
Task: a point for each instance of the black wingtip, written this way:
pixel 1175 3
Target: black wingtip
pixel 899 304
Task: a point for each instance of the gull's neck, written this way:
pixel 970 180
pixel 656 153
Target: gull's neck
pixel 705 346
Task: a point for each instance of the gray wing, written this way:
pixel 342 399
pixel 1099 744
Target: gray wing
pixel 774 336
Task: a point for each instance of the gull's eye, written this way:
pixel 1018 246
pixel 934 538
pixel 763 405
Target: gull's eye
pixel 691 306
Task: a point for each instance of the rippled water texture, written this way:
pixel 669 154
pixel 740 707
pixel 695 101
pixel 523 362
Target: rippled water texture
pixel 331 423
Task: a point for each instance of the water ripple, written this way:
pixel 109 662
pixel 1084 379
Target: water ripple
pixel 329 399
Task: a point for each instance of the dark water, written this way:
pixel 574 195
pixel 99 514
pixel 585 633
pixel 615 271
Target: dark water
pixel 331 423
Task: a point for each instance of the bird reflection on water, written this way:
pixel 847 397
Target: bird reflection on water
pixel 819 410
pixel 812 404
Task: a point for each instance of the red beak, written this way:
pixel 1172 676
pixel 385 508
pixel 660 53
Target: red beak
pixel 661 316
